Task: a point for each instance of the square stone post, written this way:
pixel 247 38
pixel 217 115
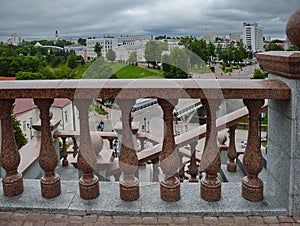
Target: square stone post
pixel 284 130
pixel 284 122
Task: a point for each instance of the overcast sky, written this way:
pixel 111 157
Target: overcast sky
pixel 38 19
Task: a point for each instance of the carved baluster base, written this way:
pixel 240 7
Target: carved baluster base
pixel 170 192
pixel 210 190
pixel 231 167
pixel 252 189
pixel 130 193
pixel 13 185
pixel 89 188
pixel 50 188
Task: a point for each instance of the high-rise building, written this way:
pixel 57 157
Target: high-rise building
pixel 253 37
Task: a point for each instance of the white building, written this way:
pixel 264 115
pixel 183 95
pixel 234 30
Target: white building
pixel 209 37
pixel 14 40
pixel 80 50
pixel 253 37
pixel 106 43
pixel 137 42
pixel 123 53
pixel 234 38
pixel 62 109
pixel 133 40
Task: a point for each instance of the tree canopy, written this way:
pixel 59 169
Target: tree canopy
pixel 111 55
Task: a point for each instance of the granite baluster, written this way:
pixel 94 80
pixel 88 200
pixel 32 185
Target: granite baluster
pixel 128 161
pixel 12 182
pixel 169 157
pixel 211 161
pixel 88 183
pixel 252 186
pixel 231 153
pixel 48 159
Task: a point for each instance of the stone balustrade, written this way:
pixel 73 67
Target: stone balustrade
pixel 211 92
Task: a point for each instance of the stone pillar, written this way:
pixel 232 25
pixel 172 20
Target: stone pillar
pixel 283 158
pixel 252 186
pixel 211 161
pixel 128 161
pixel 48 159
pixel 88 183
pixel 169 157
pixel 231 153
pixel 12 182
pixel 193 168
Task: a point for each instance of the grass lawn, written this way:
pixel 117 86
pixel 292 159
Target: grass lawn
pixel 80 69
pixel 116 66
pixel 131 72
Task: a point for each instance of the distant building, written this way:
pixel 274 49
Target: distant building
pixel 287 44
pixel 80 50
pixel 134 39
pixel 106 43
pixel 123 53
pixel 234 38
pixel 28 114
pixel 14 40
pixel 253 37
pixel 209 37
pixel 138 42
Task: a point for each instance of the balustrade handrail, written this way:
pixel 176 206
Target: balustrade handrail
pixel 161 88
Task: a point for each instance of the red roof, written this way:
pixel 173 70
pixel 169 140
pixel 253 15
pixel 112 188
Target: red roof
pixel 60 103
pixel 7 78
pixel 24 105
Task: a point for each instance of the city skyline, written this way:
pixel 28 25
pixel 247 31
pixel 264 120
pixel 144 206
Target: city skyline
pixel 41 19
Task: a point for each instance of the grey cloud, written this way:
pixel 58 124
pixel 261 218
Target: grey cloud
pixel 40 18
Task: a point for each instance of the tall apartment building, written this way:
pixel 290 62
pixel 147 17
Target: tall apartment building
pixel 253 37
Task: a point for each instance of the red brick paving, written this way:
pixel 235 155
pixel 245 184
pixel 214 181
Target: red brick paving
pixel 35 219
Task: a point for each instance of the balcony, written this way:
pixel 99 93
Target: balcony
pixel 129 196
pixel 205 194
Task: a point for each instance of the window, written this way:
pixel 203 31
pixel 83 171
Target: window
pixel 66 116
pixel 24 126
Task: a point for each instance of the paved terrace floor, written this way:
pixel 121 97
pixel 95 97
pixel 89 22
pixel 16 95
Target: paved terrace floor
pixel 28 219
pixel 68 209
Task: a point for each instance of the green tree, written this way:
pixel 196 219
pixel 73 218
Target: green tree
pixel 97 49
pixel 154 50
pixel 132 57
pixel 82 41
pixel 178 66
pixel 19 136
pixel 72 61
pixel 293 48
pixel 273 47
pixel 23 75
pixel 111 55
